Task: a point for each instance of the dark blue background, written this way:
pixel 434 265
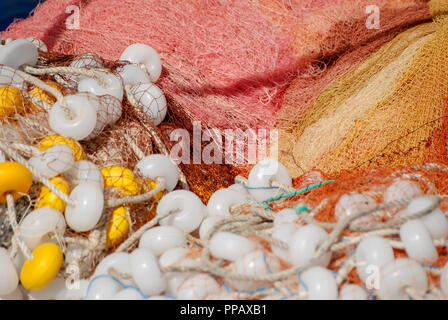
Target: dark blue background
pixel 10 9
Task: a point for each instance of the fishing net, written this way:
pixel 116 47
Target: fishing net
pixel 394 102
pixel 266 272
pixel 122 136
pixel 363 130
pixel 226 63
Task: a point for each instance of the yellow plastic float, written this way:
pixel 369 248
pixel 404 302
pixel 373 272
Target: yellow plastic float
pixel 127 183
pixel 49 199
pixel 42 95
pixel 55 139
pixel 121 178
pixel 118 227
pixel 45 265
pixel 11 101
pixel 15 179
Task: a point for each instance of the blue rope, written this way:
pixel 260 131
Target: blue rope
pixel 124 286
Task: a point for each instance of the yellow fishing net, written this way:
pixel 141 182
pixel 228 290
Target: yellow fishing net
pixel 389 110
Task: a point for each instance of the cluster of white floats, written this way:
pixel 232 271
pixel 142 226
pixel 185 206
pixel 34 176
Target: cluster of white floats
pixel 98 101
pixel 143 68
pixel 165 245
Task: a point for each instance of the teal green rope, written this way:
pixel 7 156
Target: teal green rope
pixel 294 193
pixel 302 208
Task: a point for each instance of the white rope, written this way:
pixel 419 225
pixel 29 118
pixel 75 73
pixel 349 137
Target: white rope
pixel 112 203
pixel 155 137
pixel 26 149
pixel 16 157
pixel 16 229
pixel 137 234
pixel 12 217
pixel 94 73
pixel 54 92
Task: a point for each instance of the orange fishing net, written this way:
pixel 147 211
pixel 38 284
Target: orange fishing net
pixel 321 205
pixel 380 126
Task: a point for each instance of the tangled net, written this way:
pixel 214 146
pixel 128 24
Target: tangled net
pixel 123 135
pixel 265 271
pixel 390 107
pixel 262 256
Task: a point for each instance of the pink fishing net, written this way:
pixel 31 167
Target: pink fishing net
pixel 226 63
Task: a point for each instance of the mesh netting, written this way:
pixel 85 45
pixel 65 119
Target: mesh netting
pixel 346 208
pixel 381 196
pixel 394 102
pixel 227 63
pixel 120 137
pixel 382 103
